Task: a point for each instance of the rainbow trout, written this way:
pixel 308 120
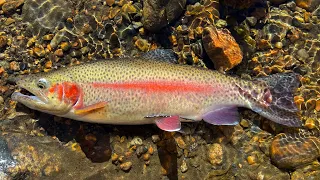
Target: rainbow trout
pixel 150 90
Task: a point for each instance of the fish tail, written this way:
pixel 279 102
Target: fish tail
pixel 282 108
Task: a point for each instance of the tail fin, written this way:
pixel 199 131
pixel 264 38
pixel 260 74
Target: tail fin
pixel 282 109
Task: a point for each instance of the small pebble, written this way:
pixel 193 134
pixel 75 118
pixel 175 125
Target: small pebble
pixel 9 21
pixel 184 167
pixel 48 37
pixel 244 123
pixel 303 54
pixel 141 150
pixel 136 141
pixel 150 150
pixel 180 142
pixel 146 157
pixel 251 160
pixel 14 66
pixel 3 41
pixel 109 2
pixel 121 159
pixel 252 21
pixel 126 166
pixel 48 64
pixel 23 66
pixel 40 52
pixel 65 46
pixel 114 157
pixel 142 45
pixel 155 138
pixel 318 105
pixel 59 52
pixel 278 45
pixel 310 123
pixel 215 154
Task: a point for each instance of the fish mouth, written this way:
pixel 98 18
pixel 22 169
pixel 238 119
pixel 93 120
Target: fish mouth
pixel 29 94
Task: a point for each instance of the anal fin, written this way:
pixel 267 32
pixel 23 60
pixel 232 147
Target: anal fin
pixel 170 124
pixel 90 108
pixel 222 116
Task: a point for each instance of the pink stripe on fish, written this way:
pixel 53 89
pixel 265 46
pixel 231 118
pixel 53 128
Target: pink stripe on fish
pixel 159 86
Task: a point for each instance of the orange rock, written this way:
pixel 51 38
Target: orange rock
pixel 221 47
pixel 1 70
pixel 318 105
pixel 309 5
pixel 109 2
pixel 291 150
pixel 298 101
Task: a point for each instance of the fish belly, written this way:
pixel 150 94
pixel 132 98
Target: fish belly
pixel 141 107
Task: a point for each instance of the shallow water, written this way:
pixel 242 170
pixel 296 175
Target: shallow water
pixel 247 39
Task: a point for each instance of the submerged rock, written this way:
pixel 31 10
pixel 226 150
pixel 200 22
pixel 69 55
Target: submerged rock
pixel 290 151
pixel 222 48
pixel 157 14
pixel 309 5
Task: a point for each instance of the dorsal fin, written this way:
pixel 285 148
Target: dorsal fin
pixel 165 55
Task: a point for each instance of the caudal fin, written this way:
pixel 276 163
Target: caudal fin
pixel 282 109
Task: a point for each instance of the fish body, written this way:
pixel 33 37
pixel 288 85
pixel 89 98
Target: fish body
pixel 143 91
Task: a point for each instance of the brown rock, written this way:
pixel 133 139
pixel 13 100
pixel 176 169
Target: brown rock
pixel 39 51
pixel 3 41
pixel 59 52
pixel 11 6
pixel 126 166
pixel 157 13
pixel 14 66
pixel 309 5
pixel 222 48
pixel 109 2
pixel 215 154
pixel 289 151
pixel 9 21
pixel 2 2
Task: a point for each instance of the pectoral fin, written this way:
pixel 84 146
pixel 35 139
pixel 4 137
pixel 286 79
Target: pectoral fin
pixel 222 116
pixel 90 108
pixel 170 124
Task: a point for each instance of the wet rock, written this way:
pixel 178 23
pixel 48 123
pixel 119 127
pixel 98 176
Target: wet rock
pixel 215 154
pixel 157 14
pixel 155 138
pixel 252 21
pixel 141 150
pixel 10 6
pixel 9 21
pixel 45 16
pixel 142 45
pixel 309 5
pixel 14 66
pixel 184 167
pixel 222 48
pixel 39 51
pixel 126 166
pixel 292 150
pixel 3 41
pixel 136 141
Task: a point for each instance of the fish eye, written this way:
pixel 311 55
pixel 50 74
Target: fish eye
pixel 42 83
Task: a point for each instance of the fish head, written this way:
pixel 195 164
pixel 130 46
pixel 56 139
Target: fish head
pixel 52 93
pixel 257 95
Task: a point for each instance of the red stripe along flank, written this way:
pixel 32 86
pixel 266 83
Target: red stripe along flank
pixel 159 86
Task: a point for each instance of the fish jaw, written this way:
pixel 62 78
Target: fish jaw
pixel 40 100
